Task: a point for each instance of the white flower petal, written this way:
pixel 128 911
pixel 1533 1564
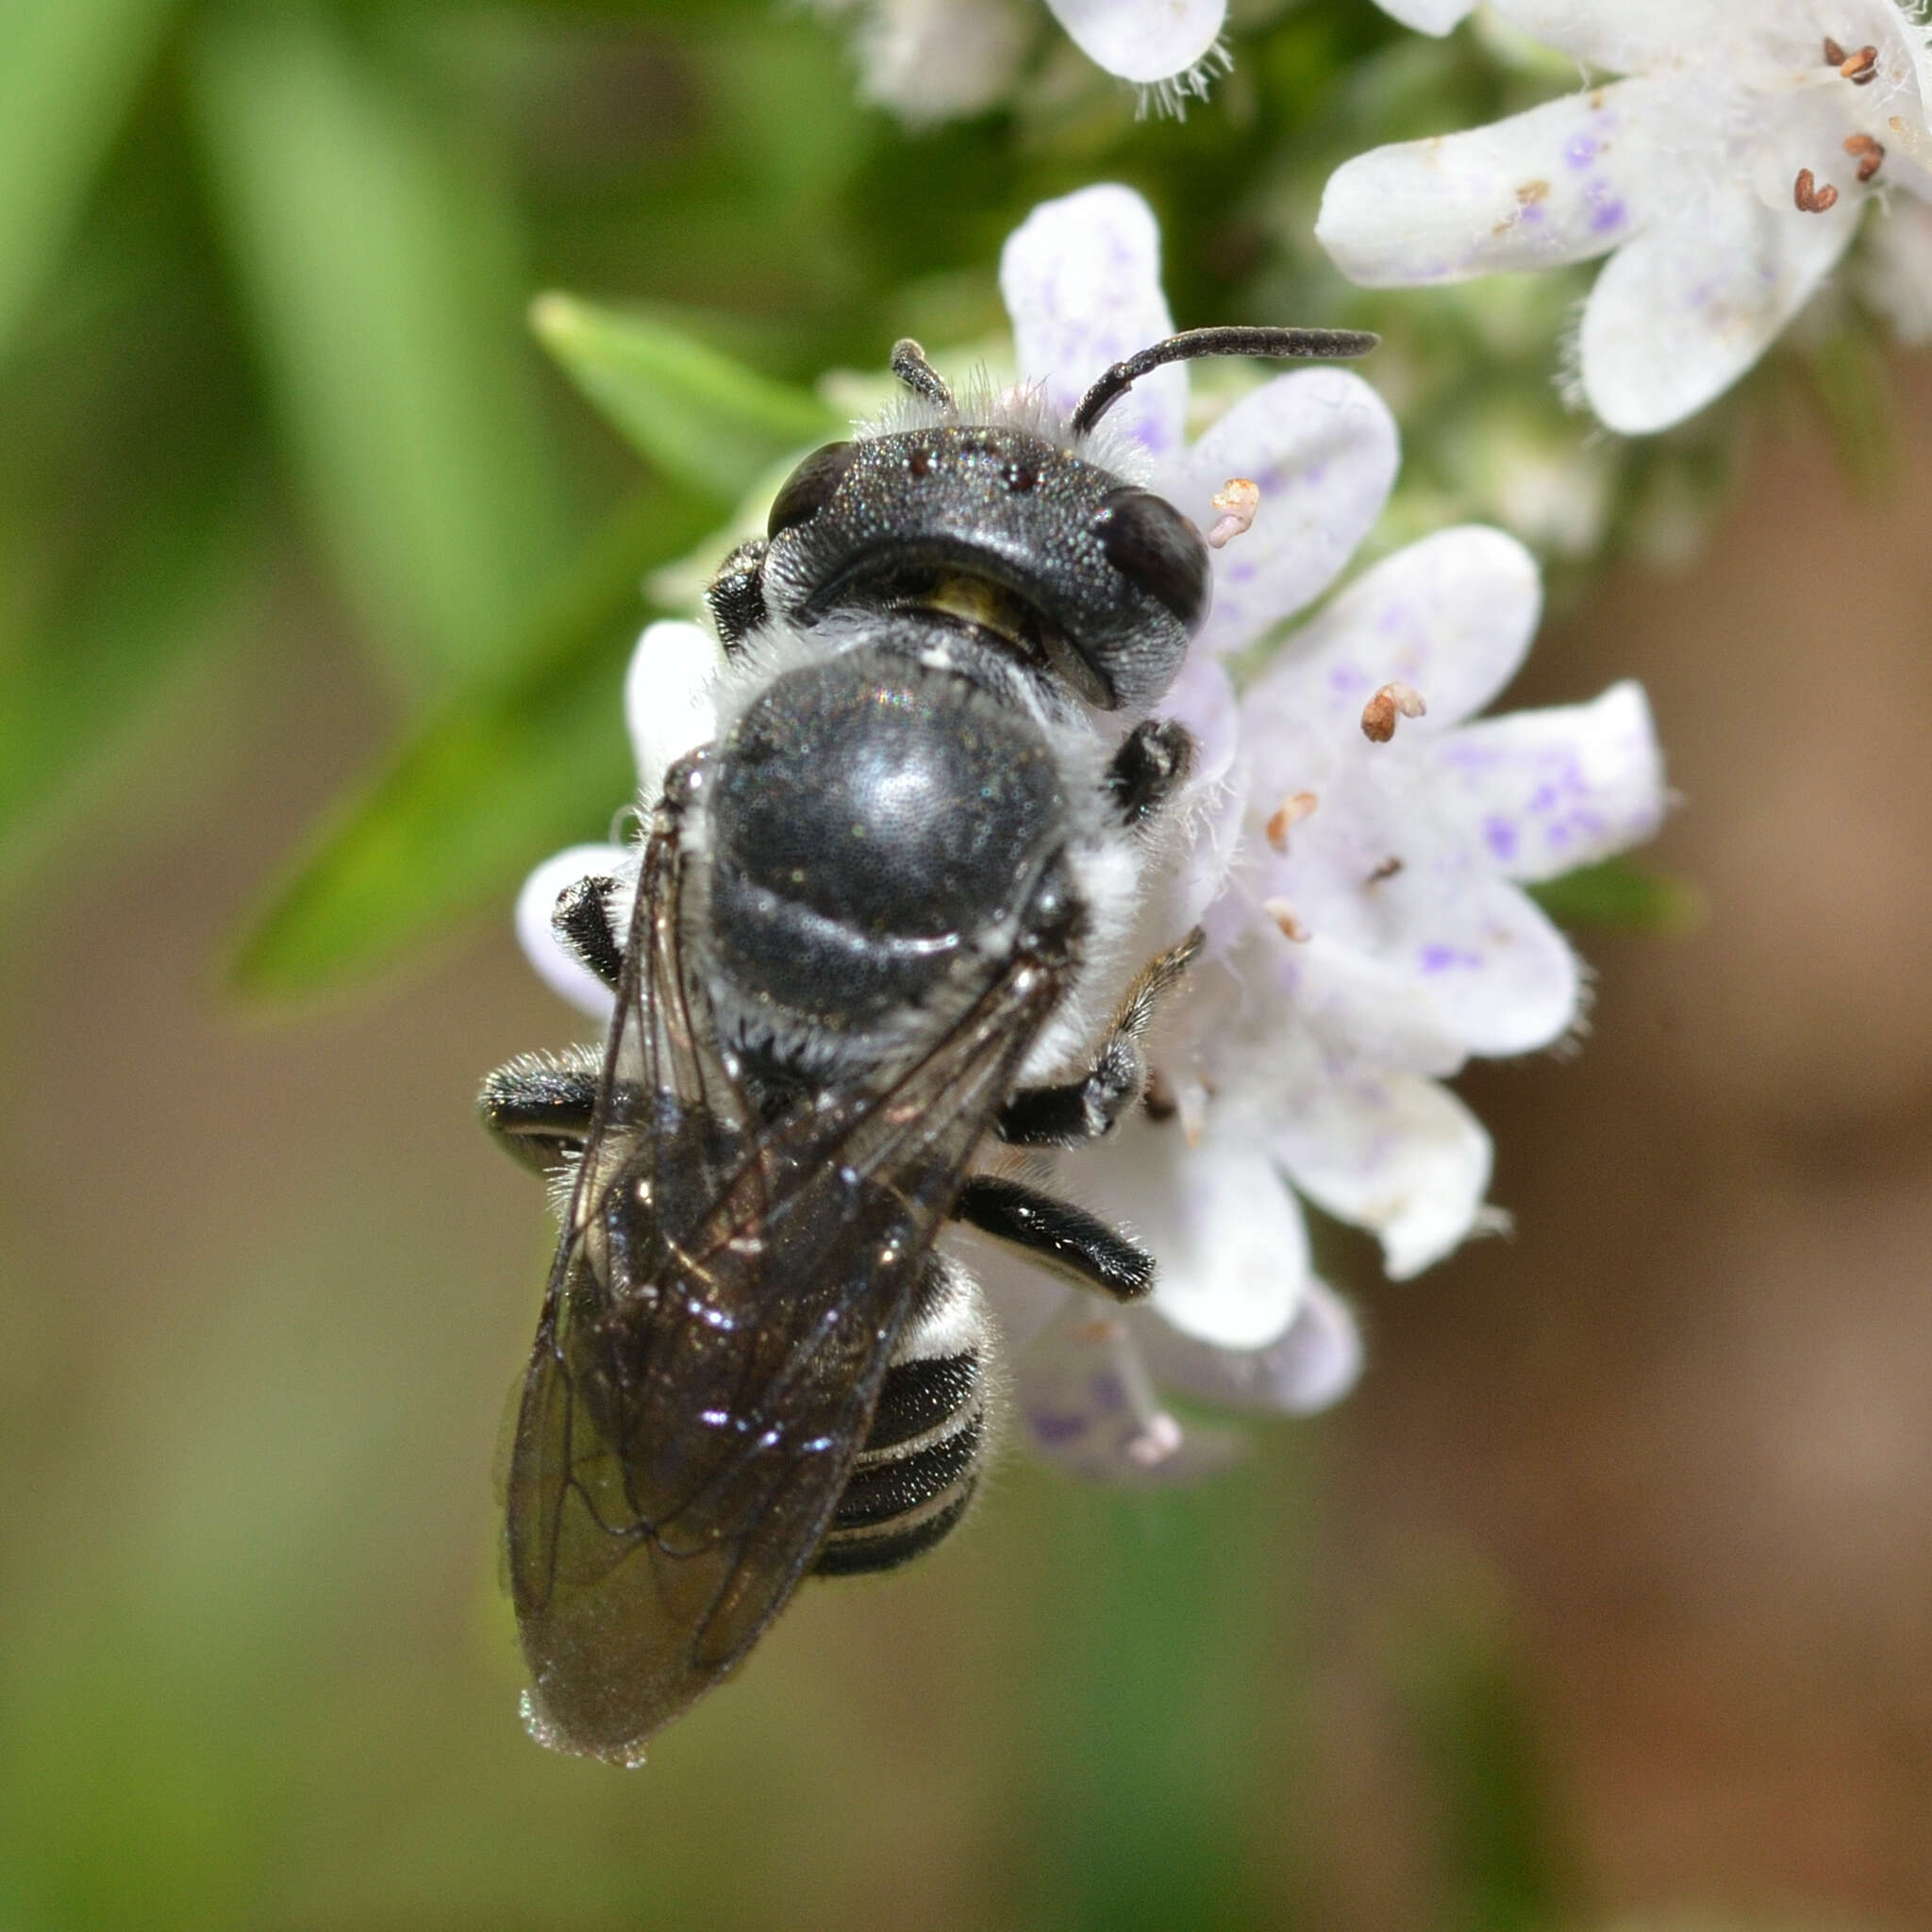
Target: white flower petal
pixel 1322 995
pixel 1559 183
pixel 1545 791
pixel 1322 448
pixel 1399 1156
pixel 666 698
pixel 1225 1232
pixel 557 968
pixel 1682 310
pixel 1081 279
pixel 936 59
pixel 1490 963
pixel 1452 615
pixel 1142 40
pixel 1427 16
pixel 1091 1409
pixel 1310 1367
pixel 1897 270
pixel 1626 36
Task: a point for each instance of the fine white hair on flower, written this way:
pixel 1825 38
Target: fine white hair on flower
pixel 1368 930
pixel 1725 174
pixel 938 59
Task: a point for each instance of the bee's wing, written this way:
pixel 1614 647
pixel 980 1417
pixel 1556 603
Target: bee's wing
pixel 714 1335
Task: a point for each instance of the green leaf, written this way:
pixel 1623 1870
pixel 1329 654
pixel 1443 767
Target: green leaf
pixel 512 769
pixel 379 256
pixel 1621 897
pixel 704 420
pixel 69 70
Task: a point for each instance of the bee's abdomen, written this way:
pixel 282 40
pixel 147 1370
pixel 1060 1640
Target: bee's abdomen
pixel 914 1478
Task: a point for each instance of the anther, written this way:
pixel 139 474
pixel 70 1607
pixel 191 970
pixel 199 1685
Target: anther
pixel 1860 69
pixel 1834 54
pixel 1386 870
pixel 1287 921
pixel 1381 712
pixel 1236 500
pixel 1811 198
pixel 1290 811
pixel 1870 154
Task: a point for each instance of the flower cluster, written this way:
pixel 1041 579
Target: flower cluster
pixel 1725 175
pixel 940 60
pixel 1356 840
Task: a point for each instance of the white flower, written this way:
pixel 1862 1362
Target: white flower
pixel 1310 1062
pixel 936 59
pixel 1725 177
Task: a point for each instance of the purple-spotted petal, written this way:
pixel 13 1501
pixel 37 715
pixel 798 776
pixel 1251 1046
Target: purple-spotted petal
pixel 1310 1367
pixel 1081 279
pixel 1452 616
pixel 1493 966
pixel 1323 449
pixel 557 968
pixel 1559 183
pixel 1545 791
pixel 1226 1234
pixel 1142 40
pixel 1681 312
pixel 666 698
pixel 1091 1409
pixel 1390 1152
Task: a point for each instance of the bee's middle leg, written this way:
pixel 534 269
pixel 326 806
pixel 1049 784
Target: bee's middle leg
pixel 1090 1108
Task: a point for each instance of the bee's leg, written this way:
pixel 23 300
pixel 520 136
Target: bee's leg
pixel 1054 1235
pixel 1090 1106
pixel 916 1471
pixel 540 1105
pixel 581 921
pixel 737 594
pixel 1149 768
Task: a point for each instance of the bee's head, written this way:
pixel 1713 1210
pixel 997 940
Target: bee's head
pixel 1097 582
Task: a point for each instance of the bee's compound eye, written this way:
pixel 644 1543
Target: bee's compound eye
pixel 1157 551
pixel 809 487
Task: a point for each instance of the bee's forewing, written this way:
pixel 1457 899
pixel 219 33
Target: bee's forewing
pixel 716 1329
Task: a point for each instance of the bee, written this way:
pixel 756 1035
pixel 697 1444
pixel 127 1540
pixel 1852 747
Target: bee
pixel 872 920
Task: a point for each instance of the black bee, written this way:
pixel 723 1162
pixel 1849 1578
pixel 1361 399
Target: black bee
pixel 873 921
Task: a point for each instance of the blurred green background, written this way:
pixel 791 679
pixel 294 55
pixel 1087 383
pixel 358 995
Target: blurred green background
pixel 1606 1602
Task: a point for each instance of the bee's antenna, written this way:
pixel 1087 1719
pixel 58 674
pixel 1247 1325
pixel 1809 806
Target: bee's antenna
pixel 911 366
pixel 1330 344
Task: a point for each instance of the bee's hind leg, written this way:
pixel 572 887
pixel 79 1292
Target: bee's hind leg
pixel 1091 1107
pixel 1055 1234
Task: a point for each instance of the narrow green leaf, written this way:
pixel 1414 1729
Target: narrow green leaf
pixel 379 260
pixel 69 70
pixel 701 418
pixel 508 771
pixel 1621 897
